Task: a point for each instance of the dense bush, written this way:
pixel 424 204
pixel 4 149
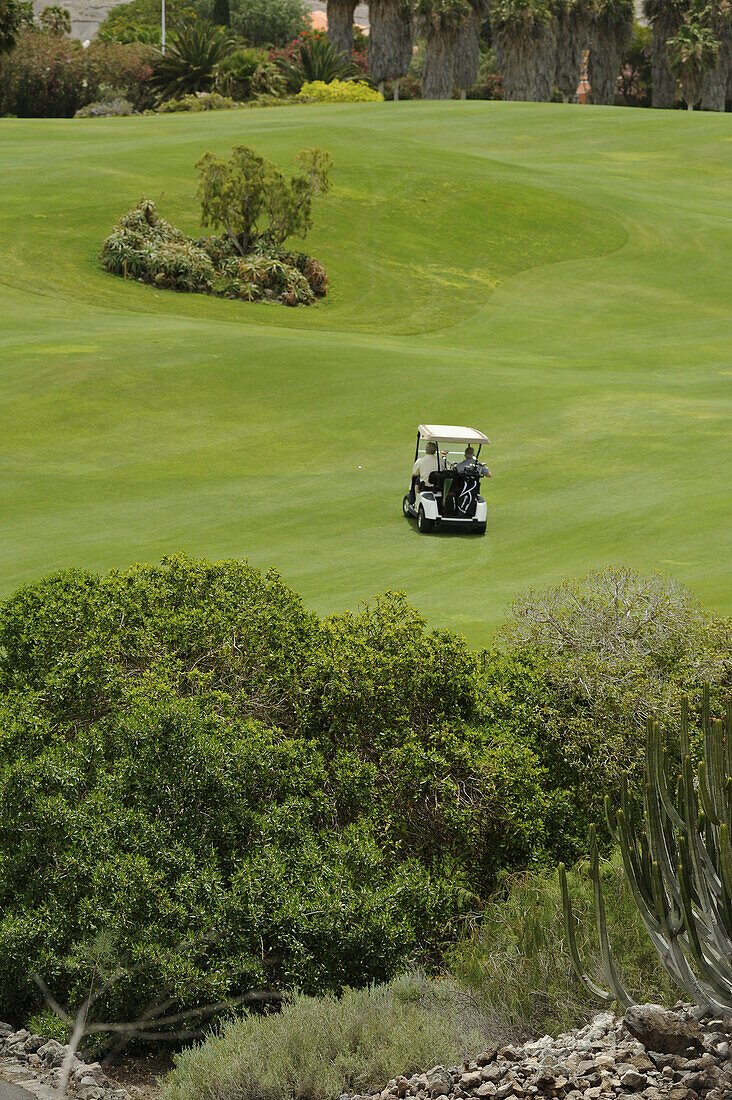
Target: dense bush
pixel 340 91
pixel 199 101
pixel 319 1048
pixel 247 73
pixel 144 246
pixel 240 797
pixel 268 22
pixel 139 20
pixel 51 76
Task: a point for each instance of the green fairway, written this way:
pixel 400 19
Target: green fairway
pixel 558 276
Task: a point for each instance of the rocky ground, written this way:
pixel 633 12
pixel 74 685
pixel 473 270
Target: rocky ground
pixel 652 1054
pixel 649 1054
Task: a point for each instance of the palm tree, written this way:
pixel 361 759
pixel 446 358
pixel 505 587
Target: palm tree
pixel 714 92
pixel 439 22
pixel 525 40
pixel 391 36
pixel 191 59
pixel 612 29
pixel 573 24
pixel 466 56
pixel 340 24
pixel 692 53
pixel 665 17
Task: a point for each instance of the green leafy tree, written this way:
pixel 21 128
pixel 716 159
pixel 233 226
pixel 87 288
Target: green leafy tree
pixel 692 53
pixel 56 20
pixel 253 201
pixel 11 21
pixel 220 13
pixel 268 22
pixel 190 63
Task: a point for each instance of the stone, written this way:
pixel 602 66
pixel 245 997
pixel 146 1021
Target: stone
pixel 632 1079
pixel 493 1073
pixel 471 1080
pixel 660 1030
pixel 503 1091
pixel 402 1086
pixel 488 1088
pixel 487 1056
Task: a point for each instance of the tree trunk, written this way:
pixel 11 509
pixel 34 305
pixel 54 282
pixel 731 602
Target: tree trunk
pixel 437 67
pixel 664 85
pixel 603 68
pixel 524 62
pixel 714 95
pixel 340 24
pixel 573 38
pixel 396 91
pixel 391 36
pixel 546 63
pixel 467 53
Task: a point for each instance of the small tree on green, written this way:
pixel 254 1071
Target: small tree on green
pixel 692 53
pixel 250 198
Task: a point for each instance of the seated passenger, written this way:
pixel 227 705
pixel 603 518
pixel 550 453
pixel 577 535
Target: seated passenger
pixel 423 467
pixel 469 460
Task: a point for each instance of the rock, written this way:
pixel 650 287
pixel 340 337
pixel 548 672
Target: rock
pixel 402 1086
pixel 6 1029
pixel 33 1043
pixel 487 1056
pixel 634 1080
pixel 663 1031
pixel 488 1088
pixel 471 1080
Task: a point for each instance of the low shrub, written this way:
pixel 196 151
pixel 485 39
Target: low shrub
pixel 319 1048
pixel 268 22
pixel 198 101
pixel 517 964
pixel 111 103
pixel 340 91
pixel 247 73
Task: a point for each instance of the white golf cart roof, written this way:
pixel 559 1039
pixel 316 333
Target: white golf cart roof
pixel 451 433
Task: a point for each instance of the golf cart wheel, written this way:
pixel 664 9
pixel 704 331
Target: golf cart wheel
pixel 425 525
pixel 480 529
pixel 405 506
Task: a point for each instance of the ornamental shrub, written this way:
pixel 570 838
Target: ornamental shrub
pixel 52 76
pixel 268 22
pixel 340 91
pixel 198 101
pixel 144 246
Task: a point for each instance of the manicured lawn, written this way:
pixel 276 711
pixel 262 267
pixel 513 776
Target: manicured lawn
pixel 558 276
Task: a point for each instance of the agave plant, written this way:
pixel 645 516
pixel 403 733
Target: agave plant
pixel 692 53
pixel 318 59
pixel 191 61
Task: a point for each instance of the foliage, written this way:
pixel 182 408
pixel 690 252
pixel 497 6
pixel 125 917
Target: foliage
pixel 692 53
pixel 634 84
pixel 139 20
pixel 247 73
pixel 268 22
pixel 191 60
pixel 55 20
pixel 678 861
pixel 220 13
pixel 199 101
pixel 253 201
pixel 315 58
pixel 340 91
pixel 628 644
pixel 318 1048
pixel 48 76
pixel 11 22
pixel 244 798
pixel 516 961
pixel 143 246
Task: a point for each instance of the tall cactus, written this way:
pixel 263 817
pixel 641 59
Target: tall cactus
pixel 678 865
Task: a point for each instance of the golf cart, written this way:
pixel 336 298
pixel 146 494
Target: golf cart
pixel 448 495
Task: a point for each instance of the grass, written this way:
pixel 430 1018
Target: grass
pixel 556 275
